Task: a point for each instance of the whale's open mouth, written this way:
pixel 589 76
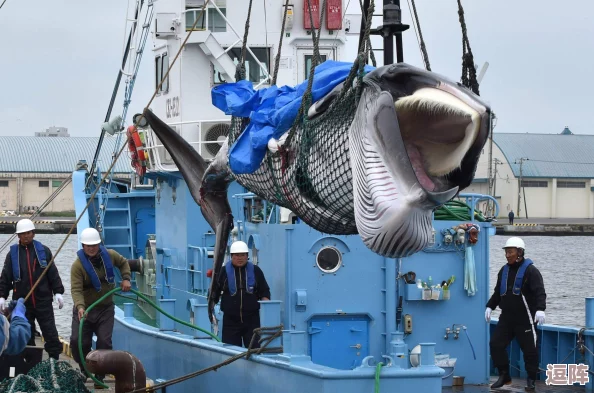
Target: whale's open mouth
pixel 438 130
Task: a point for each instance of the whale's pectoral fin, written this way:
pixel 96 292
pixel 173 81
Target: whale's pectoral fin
pixel 208 186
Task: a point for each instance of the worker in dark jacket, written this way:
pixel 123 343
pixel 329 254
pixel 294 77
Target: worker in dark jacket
pixel 243 285
pixel 24 264
pixel 521 296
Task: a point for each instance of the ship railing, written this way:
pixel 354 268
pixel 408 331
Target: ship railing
pixel 472 201
pixel 197 266
pixel 267 78
pixel 157 154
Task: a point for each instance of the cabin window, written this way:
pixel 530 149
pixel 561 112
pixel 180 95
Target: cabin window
pixel 308 60
pixel 56 183
pixel 215 22
pixel 329 259
pixel 43 183
pixel 161 68
pixel 3 183
pixel 571 184
pixel 252 69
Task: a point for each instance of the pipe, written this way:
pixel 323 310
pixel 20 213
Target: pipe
pixel 125 367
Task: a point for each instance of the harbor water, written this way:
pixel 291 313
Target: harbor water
pixel 565 263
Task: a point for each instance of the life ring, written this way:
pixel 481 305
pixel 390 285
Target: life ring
pixel 136 150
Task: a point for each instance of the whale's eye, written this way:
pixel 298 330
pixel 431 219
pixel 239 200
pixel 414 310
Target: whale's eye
pixel 329 259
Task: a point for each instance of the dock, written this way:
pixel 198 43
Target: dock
pixel 545 227
pixel 42 224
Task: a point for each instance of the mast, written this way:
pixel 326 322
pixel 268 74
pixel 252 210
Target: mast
pixel 392 19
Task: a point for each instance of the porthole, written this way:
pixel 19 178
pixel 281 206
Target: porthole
pixel 329 259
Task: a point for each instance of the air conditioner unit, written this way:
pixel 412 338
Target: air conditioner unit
pixel 213 137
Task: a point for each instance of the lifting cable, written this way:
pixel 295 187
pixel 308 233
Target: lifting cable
pixel 91 198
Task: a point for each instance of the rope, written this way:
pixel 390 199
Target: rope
pixel 368 40
pixel 422 41
pixel 116 157
pixel 468 71
pixel 82 321
pixel 2 5
pixel 272 332
pixel 280 45
pixel 307 96
pixel 240 70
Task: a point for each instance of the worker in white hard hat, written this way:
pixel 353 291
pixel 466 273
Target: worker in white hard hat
pixel 243 285
pixel 25 263
pixel 521 296
pixel 91 277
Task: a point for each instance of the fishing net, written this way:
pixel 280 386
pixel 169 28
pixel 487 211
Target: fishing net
pixel 310 172
pixel 49 376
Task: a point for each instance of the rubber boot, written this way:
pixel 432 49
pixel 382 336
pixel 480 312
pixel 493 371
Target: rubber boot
pixel 504 379
pixel 530 387
pixel 100 378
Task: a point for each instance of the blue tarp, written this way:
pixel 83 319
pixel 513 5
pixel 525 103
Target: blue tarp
pixel 272 110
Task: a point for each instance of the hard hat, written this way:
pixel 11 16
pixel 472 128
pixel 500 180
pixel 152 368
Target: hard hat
pixel 90 236
pixel 239 247
pixel 25 225
pixel 514 242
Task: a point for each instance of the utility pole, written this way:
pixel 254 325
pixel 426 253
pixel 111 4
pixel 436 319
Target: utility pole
pixel 495 162
pixel 520 187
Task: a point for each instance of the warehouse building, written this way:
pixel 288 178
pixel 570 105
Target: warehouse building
pixel 539 175
pixel 32 168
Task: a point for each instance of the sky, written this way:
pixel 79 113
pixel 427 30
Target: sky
pixel 60 61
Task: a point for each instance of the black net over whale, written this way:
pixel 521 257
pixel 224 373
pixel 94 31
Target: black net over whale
pixel 311 173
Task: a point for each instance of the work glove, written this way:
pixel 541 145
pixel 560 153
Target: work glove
pixel 540 317
pixel 19 309
pixel 2 304
pixel 488 314
pixel 60 301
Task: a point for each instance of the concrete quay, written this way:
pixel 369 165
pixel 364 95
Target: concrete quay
pixel 546 227
pixel 42 224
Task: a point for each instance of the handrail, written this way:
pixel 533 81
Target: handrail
pixel 475 198
pixel 247 47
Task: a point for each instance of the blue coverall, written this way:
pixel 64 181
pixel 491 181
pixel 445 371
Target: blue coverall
pixel 19 330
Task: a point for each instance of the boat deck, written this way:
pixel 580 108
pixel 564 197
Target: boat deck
pixel 516 386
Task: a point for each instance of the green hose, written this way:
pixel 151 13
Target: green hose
pixel 457 211
pixel 82 320
pixel 377 375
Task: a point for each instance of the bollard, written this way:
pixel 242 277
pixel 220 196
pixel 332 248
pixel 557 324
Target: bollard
pixel 427 354
pixel 168 305
pixel 399 350
pixel 128 310
pixel 270 317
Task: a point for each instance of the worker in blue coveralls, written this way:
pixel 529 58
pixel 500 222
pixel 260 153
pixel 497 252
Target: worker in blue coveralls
pixel 520 293
pixel 15 334
pixel 243 285
pixel 25 263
